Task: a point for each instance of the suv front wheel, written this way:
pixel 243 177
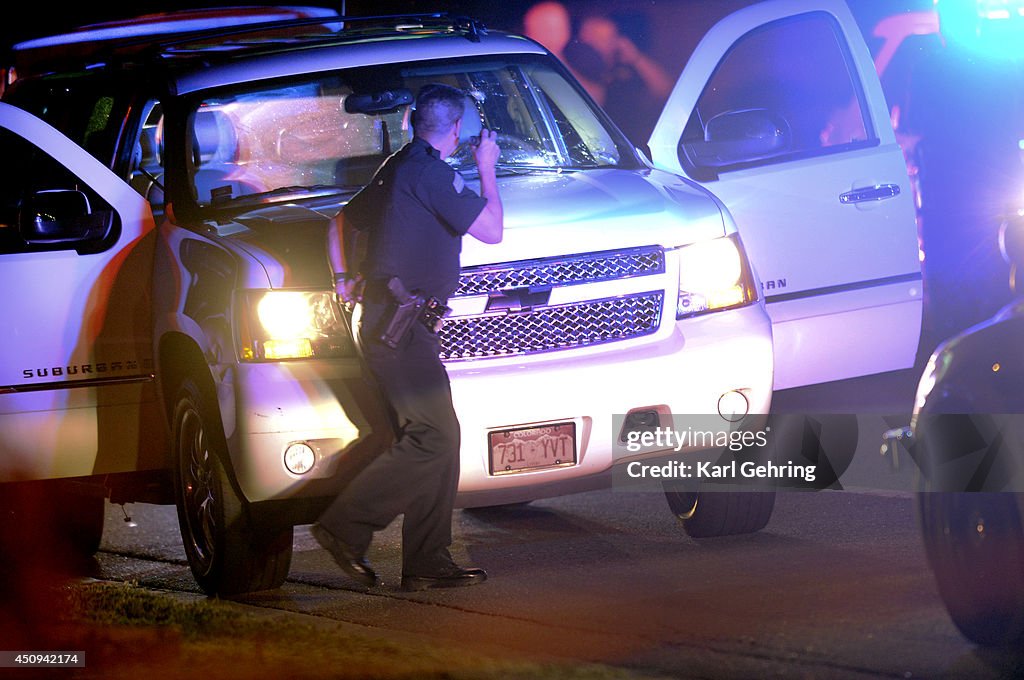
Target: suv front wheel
pixel 707 514
pixel 228 555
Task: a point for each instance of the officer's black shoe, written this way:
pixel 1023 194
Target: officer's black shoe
pixel 356 567
pixel 453 577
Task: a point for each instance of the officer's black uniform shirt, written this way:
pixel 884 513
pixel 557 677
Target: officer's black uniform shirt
pixel 414 213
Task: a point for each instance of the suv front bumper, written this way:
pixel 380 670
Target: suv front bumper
pixel 332 407
pixel 685 373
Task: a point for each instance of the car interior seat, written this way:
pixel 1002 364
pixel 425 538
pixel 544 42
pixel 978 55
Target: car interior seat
pixel 215 155
pixel 147 168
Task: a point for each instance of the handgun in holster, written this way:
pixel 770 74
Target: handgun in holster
pixel 406 310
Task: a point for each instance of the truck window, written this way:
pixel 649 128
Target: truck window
pixel 798 71
pixel 146 167
pixel 86 111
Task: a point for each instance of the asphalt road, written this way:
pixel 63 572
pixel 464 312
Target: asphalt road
pixel 836 586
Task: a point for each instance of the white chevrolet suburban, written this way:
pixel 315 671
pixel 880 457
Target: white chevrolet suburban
pixel 170 331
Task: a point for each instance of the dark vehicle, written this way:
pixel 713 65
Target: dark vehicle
pixel 967 440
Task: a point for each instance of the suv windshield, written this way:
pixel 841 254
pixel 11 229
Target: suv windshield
pixel 330 132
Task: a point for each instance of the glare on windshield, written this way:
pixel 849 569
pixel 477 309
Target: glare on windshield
pixel 303 135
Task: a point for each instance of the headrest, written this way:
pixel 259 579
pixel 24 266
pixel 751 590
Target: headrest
pixel 214 137
pixel 150 150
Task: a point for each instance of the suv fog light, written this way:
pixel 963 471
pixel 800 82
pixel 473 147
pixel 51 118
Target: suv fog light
pixel 733 406
pixel 639 421
pixel 299 458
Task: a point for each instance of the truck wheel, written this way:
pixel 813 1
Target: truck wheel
pixel 227 554
pixel 975 546
pixel 706 514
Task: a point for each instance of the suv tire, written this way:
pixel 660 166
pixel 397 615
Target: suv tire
pixel 227 553
pixel 707 514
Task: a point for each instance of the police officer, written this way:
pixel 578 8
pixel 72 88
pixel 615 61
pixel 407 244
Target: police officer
pixel 411 219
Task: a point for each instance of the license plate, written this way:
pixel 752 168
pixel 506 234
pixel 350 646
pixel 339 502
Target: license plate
pixel 522 449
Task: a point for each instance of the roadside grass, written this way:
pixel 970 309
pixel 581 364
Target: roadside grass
pixel 132 632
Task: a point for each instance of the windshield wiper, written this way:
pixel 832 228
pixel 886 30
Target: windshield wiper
pixel 521 169
pixel 298 190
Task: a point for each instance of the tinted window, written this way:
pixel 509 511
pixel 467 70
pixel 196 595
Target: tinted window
pixel 798 74
pixel 85 110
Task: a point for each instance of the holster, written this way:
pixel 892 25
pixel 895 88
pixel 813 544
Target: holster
pixel 406 309
pixel 402 314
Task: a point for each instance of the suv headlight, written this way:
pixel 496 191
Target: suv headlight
pixel 287 324
pixel 713 275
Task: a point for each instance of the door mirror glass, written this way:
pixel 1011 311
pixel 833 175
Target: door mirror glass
pixel 784 91
pixel 45 206
pixel 61 216
pixel 740 137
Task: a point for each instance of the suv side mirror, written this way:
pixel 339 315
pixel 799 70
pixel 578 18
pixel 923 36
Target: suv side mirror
pixel 742 136
pixel 61 217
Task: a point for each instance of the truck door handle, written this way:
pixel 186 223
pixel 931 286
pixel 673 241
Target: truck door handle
pixel 879 192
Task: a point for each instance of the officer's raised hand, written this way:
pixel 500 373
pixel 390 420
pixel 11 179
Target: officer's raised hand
pixel 486 152
pixel 489 225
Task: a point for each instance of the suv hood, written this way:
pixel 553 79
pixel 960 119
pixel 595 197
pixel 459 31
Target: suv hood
pixel 593 210
pixel 596 210
pixel 287 241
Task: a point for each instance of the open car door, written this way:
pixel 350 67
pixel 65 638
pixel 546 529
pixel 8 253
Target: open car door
pixel 779 112
pixel 76 258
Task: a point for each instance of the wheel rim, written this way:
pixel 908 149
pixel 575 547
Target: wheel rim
pixel 198 487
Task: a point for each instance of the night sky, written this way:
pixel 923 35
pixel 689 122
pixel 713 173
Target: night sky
pixel 51 20
pixel 503 14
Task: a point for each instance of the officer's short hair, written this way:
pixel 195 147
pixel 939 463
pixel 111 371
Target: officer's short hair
pixel 438 107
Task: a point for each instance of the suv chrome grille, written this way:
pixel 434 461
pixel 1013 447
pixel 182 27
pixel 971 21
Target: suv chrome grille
pixel 544 329
pixel 562 271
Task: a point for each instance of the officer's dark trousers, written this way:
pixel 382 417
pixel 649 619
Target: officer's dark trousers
pixel 418 475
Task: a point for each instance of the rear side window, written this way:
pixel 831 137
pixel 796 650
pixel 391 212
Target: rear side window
pixel 792 78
